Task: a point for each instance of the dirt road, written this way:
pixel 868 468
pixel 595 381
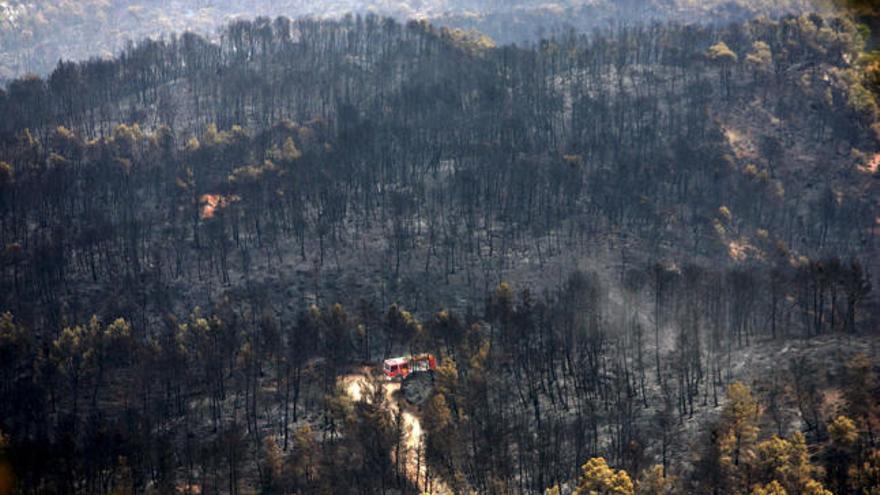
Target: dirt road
pixel 360 387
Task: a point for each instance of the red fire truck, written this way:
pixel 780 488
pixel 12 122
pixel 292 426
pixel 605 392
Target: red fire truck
pixel 401 367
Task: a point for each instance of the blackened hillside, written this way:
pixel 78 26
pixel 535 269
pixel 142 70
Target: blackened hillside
pixel 592 233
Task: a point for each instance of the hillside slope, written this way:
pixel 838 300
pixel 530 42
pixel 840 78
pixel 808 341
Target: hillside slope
pixel 653 244
pixel 34 36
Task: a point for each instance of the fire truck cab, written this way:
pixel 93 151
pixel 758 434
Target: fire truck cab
pixel 401 367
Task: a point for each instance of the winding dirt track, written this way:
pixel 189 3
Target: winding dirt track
pixel 359 387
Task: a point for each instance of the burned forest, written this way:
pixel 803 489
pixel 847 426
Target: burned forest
pixel 369 255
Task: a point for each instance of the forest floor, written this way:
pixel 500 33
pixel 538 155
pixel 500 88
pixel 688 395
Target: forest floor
pixel 758 365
